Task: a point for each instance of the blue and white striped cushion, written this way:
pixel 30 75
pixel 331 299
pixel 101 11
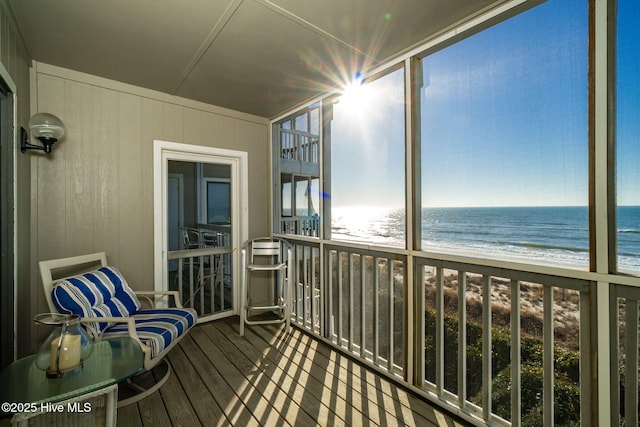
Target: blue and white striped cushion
pixel 99 293
pixel 157 328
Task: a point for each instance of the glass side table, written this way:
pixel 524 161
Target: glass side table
pixel 24 386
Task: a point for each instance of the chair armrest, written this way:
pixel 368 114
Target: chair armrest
pixel 146 294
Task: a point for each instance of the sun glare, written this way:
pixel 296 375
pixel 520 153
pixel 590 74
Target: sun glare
pixel 356 96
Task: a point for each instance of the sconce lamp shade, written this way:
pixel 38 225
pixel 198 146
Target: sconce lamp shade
pixel 46 127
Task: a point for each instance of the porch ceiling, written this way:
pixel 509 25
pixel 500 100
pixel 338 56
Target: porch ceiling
pixel 256 56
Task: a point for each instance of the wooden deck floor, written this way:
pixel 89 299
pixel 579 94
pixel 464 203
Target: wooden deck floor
pixel 269 378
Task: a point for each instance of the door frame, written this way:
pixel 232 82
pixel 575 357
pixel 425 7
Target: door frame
pixel 180 178
pixel 163 151
pixel 10 297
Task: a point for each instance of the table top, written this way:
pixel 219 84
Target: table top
pixel 111 362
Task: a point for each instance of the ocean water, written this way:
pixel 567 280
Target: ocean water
pixel 559 235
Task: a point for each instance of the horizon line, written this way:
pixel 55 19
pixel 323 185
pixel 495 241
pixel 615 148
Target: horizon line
pixel 472 206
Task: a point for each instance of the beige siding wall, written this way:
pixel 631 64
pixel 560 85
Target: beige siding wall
pixel 16 60
pixel 95 192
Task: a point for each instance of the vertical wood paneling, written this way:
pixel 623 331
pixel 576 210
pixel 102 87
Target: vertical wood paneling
pixel 193 127
pixel 152 117
pixel 106 179
pixel 130 216
pixel 51 206
pixel 5 32
pixel 173 122
pixel 250 137
pixel 227 135
pixel 78 118
pixel 210 125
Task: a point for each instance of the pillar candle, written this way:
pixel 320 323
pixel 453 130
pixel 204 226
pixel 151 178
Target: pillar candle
pixel 69 353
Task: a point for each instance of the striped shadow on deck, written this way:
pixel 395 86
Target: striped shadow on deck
pixel 269 378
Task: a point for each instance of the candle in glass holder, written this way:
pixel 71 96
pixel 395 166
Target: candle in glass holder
pixel 69 357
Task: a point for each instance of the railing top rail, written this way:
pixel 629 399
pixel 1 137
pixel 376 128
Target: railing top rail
pixel 190 253
pixel 581 285
pixel 299 132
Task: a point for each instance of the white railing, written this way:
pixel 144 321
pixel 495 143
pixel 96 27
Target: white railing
pixel 500 346
pixel 300 225
pixel 506 346
pixel 365 305
pixel 306 306
pixel 297 145
pixel 201 281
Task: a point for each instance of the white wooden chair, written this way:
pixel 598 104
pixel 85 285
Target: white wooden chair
pixel 87 286
pixel 273 256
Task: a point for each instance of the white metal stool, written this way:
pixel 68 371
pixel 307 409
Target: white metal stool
pixel 273 257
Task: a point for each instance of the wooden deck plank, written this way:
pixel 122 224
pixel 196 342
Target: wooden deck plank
pixel 223 395
pixel 204 405
pixel 345 383
pixel 289 378
pixel 248 391
pixel 153 412
pixel 302 374
pixel 265 380
pixel 178 405
pixel 129 416
pixel 391 400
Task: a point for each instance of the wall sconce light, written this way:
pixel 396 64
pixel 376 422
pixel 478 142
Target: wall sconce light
pixel 44 127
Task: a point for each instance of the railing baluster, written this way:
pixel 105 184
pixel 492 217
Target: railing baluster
pixel 201 285
pixel 191 282
pixel 363 305
pixel 221 265
pixel 351 301
pixel 439 303
pixel 340 300
pixel 180 267
pixel 376 311
pixel 585 359
pixel 307 294
pixel 329 279
pixel 213 274
pixel 462 339
pixel 322 296
pixel 486 347
pixel 516 395
pixel 631 363
pixel 312 286
pixel 547 357
pixel 391 315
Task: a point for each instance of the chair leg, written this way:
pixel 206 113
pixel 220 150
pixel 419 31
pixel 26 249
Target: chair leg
pixel 143 392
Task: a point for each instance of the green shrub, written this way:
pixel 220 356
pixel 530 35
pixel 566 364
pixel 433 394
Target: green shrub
pixel 566 375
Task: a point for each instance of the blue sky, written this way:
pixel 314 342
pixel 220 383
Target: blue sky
pixel 628 98
pixel 504 115
pixel 504 119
